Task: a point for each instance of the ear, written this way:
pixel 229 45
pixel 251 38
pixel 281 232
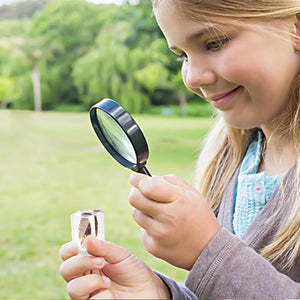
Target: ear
pixel 296 33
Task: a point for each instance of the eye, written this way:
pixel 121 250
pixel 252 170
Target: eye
pixel 216 45
pixel 182 57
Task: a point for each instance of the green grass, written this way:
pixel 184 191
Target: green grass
pixel 51 166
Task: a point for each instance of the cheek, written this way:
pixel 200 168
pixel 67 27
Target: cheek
pixel 241 62
pixel 233 69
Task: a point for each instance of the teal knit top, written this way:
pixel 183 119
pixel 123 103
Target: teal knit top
pixel 253 190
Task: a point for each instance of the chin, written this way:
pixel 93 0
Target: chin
pixel 242 124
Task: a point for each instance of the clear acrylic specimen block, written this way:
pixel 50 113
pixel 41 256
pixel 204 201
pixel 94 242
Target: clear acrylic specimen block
pixel 87 222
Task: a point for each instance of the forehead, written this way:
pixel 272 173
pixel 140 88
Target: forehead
pixel 177 26
pixel 179 29
pixel 201 15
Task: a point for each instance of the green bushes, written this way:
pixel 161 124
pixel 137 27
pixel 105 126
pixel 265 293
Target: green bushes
pixel 194 109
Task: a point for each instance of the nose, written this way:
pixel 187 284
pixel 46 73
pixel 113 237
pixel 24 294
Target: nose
pixel 198 73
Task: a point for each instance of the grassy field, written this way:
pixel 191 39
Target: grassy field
pixel 51 166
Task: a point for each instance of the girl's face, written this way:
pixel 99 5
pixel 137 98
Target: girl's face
pixel 245 72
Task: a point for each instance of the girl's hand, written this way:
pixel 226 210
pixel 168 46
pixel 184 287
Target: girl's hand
pixel 177 222
pixel 117 273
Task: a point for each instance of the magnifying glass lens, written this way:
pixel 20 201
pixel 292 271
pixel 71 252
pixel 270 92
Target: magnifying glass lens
pixel 116 136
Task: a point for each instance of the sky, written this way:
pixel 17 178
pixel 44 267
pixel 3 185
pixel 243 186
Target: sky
pixel 2 2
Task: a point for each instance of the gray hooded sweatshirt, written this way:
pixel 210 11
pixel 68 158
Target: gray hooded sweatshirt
pixel 232 268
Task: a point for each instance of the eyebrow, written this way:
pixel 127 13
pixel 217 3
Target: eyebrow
pixel 197 35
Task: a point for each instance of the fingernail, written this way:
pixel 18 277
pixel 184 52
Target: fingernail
pixel 99 242
pixel 98 260
pixel 89 237
pixel 143 181
pixel 106 280
pixel 132 178
pixel 92 237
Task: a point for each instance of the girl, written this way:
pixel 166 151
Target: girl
pixel 239 233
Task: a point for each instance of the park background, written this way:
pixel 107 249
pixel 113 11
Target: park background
pixel 57 59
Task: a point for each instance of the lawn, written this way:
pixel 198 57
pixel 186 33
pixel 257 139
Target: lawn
pixel 52 165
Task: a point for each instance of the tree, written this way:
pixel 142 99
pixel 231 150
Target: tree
pixel 21 9
pixel 78 52
pixel 6 89
pixel 31 50
pixel 108 70
pixel 73 25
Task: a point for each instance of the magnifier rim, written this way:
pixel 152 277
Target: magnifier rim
pixel 116 112
pixel 125 148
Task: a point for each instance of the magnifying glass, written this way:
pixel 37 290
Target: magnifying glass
pixel 120 135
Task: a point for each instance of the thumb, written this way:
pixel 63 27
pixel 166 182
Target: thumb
pixel 110 252
pixel 174 179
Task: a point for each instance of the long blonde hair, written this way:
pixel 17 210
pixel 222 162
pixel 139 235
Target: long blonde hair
pixel 225 146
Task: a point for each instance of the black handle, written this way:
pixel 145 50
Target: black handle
pixel 143 170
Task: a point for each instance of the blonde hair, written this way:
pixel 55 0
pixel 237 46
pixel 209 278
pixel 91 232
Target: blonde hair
pixel 225 146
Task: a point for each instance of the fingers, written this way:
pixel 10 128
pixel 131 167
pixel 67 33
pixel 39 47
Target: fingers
pixel 173 179
pixel 142 220
pixel 68 250
pixel 110 252
pixel 82 287
pixel 78 265
pixel 140 202
pixel 156 188
pixel 104 294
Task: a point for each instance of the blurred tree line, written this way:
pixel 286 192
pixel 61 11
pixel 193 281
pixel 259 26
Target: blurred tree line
pixel 69 54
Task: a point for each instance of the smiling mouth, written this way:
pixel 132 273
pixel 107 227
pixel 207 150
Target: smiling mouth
pixel 220 96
